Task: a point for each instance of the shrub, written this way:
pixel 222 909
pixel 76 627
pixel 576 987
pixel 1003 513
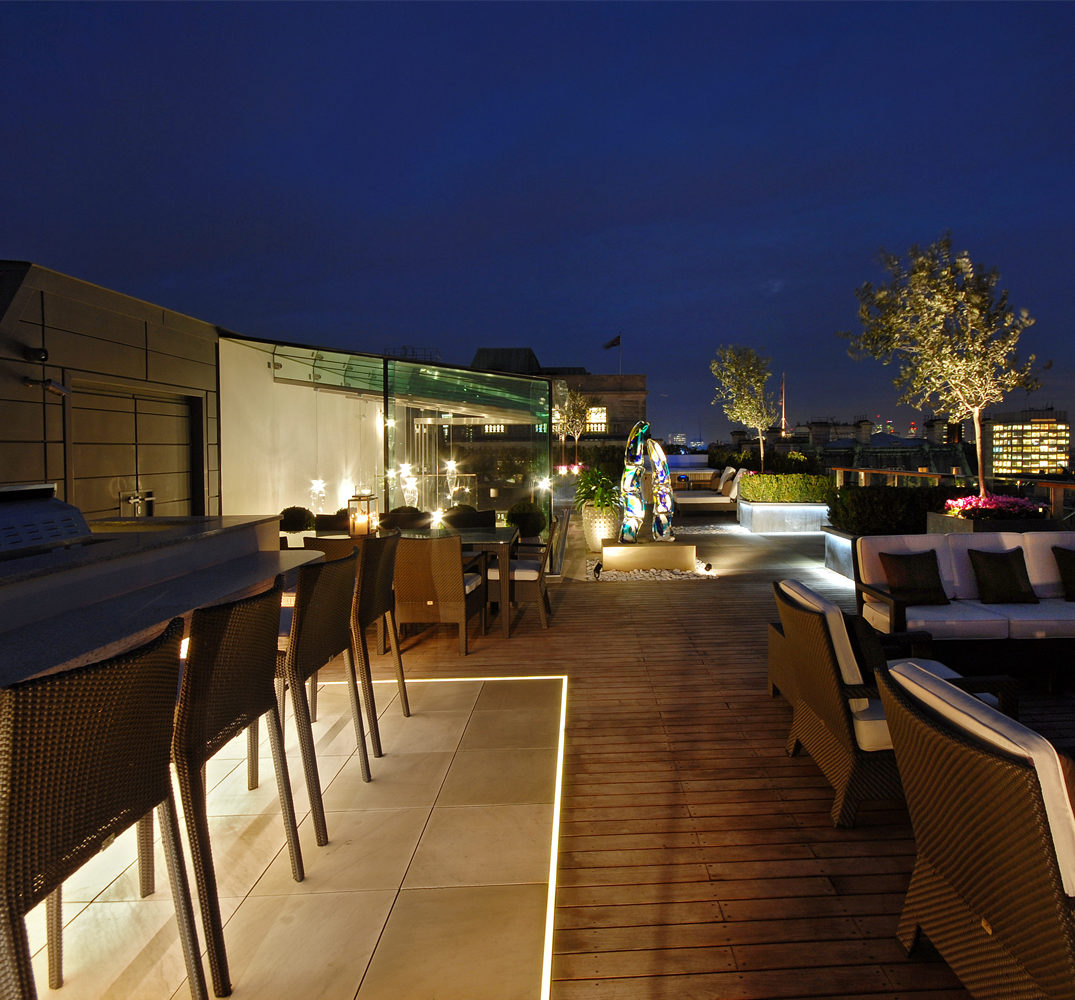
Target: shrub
pixel 527 516
pixel 595 486
pixel 887 510
pixel 297 519
pixel 789 488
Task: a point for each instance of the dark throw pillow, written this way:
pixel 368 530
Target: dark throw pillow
pixel 913 577
pixel 1002 577
pixel 1065 562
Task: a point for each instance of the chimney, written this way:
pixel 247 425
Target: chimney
pixel 863 430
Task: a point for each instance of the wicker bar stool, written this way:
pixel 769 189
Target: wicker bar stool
pixel 84 755
pixel 228 683
pixel 320 631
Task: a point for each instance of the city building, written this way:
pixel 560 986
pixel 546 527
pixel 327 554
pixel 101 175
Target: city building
pixel 1027 443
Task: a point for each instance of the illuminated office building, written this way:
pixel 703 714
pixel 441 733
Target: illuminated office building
pixel 1028 443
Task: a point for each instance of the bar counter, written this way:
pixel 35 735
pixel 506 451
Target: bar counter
pixel 83 602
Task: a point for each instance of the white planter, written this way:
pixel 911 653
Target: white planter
pixel 763 518
pixel 599 525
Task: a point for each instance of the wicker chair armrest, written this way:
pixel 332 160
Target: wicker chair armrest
pixel 1005 687
pixel 475 563
pixel 897 610
pixel 860 691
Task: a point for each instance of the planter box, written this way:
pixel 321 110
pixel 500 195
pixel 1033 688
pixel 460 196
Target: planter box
pixel 942 524
pixel 839 551
pixel 763 518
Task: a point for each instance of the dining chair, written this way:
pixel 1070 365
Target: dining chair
pixel 84 754
pixel 432 584
pixel 527 575
pixel 374 602
pixel 228 683
pixel 320 630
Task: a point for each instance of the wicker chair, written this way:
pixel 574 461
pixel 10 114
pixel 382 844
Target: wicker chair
pixel 993 885
pixel 228 683
pixel 432 585
pixel 527 576
pixel 374 602
pixel 84 755
pixel 320 631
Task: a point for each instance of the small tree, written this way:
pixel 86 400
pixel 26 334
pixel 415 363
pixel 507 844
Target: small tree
pixel 951 333
pixel 741 374
pixel 559 401
pixel 573 416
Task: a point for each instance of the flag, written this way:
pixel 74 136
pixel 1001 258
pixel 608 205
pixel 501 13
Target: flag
pixel 614 342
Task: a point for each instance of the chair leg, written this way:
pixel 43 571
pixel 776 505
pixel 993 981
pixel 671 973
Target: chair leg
pixel 147 877
pixel 309 761
pixel 362 666
pixel 192 792
pixel 542 612
pixel 283 787
pixel 54 934
pixel 16 966
pixel 463 633
pixel 313 697
pixel 356 714
pixel 252 754
pixel 184 911
pixel 388 624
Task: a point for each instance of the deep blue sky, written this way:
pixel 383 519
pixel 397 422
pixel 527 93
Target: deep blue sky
pixel 452 176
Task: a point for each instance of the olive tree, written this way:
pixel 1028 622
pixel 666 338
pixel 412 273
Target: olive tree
pixel 952 335
pixel 741 374
pixel 574 412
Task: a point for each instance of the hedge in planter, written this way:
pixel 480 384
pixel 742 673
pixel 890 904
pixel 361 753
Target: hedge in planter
pixel 887 510
pixel 786 488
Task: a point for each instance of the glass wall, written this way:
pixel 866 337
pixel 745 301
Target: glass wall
pixel 308 427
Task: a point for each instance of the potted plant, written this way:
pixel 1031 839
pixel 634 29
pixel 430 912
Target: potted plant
pixel 598 499
pixel 992 512
pixel 294 519
pixel 528 517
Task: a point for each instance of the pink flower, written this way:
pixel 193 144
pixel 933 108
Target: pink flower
pixel 993 506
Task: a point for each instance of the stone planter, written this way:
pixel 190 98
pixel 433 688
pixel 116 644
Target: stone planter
pixel 839 551
pixel 599 525
pixel 942 524
pixel 762 518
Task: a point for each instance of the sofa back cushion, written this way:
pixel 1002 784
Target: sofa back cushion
pixel 868 551
pixel 914 577
pixel 1002 577
pixel 1041 565
pixel 1065 562
pixel 982 722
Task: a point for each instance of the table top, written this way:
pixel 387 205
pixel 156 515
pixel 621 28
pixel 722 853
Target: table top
pixel 94 631
pixel 469 536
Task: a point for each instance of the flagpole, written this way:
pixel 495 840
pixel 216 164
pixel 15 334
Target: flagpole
pixel 619 352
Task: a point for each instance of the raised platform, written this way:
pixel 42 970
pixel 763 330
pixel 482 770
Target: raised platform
pixel 649 555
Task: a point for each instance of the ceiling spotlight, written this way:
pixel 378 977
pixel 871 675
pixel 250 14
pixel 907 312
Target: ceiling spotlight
pixel 597 571
pixel 38 354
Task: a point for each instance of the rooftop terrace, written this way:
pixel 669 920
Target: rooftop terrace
pixel 695 859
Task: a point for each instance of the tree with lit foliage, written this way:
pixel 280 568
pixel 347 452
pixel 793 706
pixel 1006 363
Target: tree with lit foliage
pixel 741 374
pixel 951 333
pixel 574 416
pixel 559 398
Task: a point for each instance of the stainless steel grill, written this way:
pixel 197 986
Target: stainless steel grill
pixel 32 520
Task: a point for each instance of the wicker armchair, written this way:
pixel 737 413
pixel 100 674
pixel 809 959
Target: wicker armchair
pixel 84 755
pixel 993 885
pixel 528 576
pixel 320 631
pixel 432 586
pixel 228 683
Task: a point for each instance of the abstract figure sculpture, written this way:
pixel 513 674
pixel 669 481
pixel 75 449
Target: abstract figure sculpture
pixel 639 444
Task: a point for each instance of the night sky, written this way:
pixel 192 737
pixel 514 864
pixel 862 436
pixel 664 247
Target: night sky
pixel 454 176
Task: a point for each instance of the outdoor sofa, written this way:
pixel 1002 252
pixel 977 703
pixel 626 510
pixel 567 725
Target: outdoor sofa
pixel 940 584
pixel 723 494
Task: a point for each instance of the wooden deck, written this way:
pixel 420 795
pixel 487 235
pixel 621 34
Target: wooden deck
pixel 696 859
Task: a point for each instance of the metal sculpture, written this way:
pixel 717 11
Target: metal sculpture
pixel 639 445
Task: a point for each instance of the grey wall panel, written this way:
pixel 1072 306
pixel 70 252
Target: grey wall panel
pixel 170 370
pixel 157 458
pixel 180 343
pixel 91 321
pixel 22 462
pixel 23 421
pixel 91 354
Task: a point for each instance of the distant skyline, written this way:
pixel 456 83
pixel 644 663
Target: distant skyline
pixel 454 176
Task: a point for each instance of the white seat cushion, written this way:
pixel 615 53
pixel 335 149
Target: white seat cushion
pixel 966 583
pixel 521 569
pixel 957 620
pixel 868 714
pixel 870 547
pixel 972 716
pixel 471 582
pixel 834 619
pixel 1041 563
pixel 1053 618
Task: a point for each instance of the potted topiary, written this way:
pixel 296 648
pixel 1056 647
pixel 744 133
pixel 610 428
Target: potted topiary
pixel 598 499
pixel 528 517
pixel 294 519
